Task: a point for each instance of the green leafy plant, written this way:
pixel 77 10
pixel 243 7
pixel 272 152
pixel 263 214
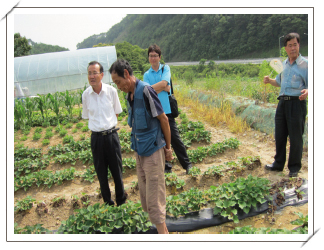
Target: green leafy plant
pixel 55 104
pixel 69 125
pixel 214 171
pixel 25 204
pixel 89 174
pixel 62 132
pixel 127 218
pixel 45 142
pixel 243 192
pixel 194 172
pixel 48 134
pixel 58 201
pixel 79 125
pixel 36 136
pixel 35 229
pixel 67 139
pixel 172 180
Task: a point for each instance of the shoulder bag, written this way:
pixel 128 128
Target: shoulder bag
pixel 172 100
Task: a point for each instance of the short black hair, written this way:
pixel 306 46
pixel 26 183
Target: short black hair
pixel 94 63
pixel 119 66
pixel 154 48
pixel 291 36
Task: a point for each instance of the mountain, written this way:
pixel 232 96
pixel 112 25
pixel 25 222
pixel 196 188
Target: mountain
pixel 191 37
pixel 40 48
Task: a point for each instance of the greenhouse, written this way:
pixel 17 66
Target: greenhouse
pixel 59 71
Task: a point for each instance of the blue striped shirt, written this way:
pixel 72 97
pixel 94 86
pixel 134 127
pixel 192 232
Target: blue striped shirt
pixel 294 77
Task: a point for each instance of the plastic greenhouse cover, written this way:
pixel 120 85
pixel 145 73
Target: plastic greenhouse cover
pixel 59 71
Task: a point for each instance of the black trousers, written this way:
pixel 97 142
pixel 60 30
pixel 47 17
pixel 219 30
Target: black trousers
pixel 289 121
pixel 106 153
pixel 177 145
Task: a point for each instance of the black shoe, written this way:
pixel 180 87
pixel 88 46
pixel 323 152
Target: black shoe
pixel 293 174
pixel 272 168
pixel 168 171
pixel 188 168
pixel 119 203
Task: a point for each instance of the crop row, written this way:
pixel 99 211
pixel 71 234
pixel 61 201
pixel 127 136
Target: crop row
pixel 129 218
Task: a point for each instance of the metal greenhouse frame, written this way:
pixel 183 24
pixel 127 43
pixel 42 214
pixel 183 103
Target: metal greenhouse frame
pixel 59 71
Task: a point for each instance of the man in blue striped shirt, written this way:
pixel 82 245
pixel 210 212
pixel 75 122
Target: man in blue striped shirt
pixel 291 110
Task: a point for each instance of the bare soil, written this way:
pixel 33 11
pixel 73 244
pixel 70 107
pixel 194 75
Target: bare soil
pixel 254 143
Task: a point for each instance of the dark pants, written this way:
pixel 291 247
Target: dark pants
pixel 177 145
pixel 106 153
pixel 289 121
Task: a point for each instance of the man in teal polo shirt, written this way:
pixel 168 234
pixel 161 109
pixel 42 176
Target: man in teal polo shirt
pixel 160 81
pixel 291 110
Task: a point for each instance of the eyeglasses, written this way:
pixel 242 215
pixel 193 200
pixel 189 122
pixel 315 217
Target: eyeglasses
pixel 94 73
pixel 153 55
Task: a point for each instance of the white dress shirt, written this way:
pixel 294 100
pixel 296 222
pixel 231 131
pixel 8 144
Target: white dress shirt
pixel 101 109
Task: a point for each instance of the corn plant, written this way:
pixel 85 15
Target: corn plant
pixel 43 104
pixel 69 102
pixel 20 115
pixel 54 104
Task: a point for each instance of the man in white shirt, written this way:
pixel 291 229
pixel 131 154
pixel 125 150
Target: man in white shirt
pixel 101 106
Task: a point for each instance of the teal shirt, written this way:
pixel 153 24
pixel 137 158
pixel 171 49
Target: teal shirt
pixel 294 77
pixel 152 77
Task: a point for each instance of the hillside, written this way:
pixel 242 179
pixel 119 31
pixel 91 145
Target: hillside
pixel 191 37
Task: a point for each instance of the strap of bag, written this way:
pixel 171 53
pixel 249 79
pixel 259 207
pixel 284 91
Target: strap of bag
pixel 170 81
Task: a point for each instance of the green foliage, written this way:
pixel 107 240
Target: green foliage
pixel 79 125
pixel 136 56
pixel 35 229
pixel 45 142
pixel 25 204
pixel 89 174
pixel 220 36
pixel 40 48
pixel 62 132
pixel 21 46
pixel 243 192
pixel 28 165
pixel 266 230
pixel 36 136
pixel 43 177
pixel 197 155
pixel 172 180
pixel 67 138
pixel 127 218
pixel 214 171
pixel 194 172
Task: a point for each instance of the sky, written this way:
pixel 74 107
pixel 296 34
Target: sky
pixel 64 30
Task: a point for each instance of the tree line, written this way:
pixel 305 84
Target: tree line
pixel 190 37
pixel 25 47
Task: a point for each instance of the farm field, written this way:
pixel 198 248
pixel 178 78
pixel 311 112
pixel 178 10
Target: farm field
pixel 49 209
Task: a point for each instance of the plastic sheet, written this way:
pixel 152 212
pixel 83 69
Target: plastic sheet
pixel 258 117
pixel 60 71
pixel 205 218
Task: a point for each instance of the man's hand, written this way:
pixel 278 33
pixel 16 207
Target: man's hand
pixel 266 79
pixel 304 94
pixel 168 154
pixel 273 82
pixel 167 88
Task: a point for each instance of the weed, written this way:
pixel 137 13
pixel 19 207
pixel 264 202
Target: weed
pixel 45 142
pixel 36 136
pixel 25 204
